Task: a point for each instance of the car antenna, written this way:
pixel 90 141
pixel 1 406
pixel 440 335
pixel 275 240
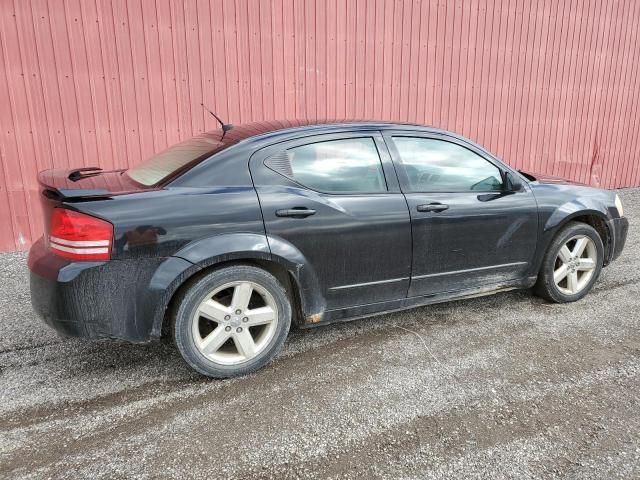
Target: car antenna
pixel 225 126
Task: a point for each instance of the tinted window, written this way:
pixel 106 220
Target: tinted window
pixel 440 166
pixel 163 164
pixel 350 165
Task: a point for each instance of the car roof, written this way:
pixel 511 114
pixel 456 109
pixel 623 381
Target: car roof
pixel 268 128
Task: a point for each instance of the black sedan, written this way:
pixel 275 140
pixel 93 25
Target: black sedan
pixel 223 240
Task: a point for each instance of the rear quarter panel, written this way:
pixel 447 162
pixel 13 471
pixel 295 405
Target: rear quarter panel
pixel 160 223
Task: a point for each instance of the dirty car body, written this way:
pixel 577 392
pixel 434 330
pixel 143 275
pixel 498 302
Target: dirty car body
pixel 341 254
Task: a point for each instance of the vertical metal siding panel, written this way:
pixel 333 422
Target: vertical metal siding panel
pixel 571 140
pixel 611 62
pixel 256 81
pixel 579 140
pixel 34 151
pixel 278 47
pixel 194 72
pixel 465 75
pixel 33 87
pixel 624 122
pixel 322 42
pixel 549 89
pixel 289 35
pixel 179 51
pixel 12 183
pixel 422 55
pixel 143 128
pixel 625 129
pixel 457 65
pixel 515 85
pixel 299 46
pixel 525 113
pixel 221 101
pixel 331 81
pixel 88 155
pixel 519 85
pixel 620 96
pixel 629 135
pixel 395 61
pixel 597 127
pixel 309 60
pixel 19 145
pixel 231 59
pixel 413 49
pixel 97 86
pixel 266 63
pixel 591 143
pixel 479 67
pixel 634 171
pixel 447 76
pixel 350 59
pixel 377 46
pixel 204 27
pixel 387 64
pixel 369 60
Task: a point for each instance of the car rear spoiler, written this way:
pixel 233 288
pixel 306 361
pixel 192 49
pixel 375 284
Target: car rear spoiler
pixel 76 183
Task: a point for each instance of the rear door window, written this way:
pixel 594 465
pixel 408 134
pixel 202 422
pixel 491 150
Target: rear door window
pixel 349 165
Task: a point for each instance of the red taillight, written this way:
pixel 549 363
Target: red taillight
pixel 78 236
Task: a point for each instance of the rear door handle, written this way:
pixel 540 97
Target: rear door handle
pixel 432 207
pixel 296 212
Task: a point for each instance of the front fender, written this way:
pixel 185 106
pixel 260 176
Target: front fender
pixel 572 209
pixel 560 216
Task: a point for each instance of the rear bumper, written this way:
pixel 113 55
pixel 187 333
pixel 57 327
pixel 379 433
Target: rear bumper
pixel 619 227
pixel 120 299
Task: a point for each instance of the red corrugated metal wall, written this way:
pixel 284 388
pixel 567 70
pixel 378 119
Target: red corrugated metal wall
pixel 547 85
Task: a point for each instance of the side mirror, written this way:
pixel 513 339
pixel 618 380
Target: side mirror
pixel 512 183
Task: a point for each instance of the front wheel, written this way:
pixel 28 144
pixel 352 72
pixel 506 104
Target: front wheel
pixel 571 265
pixel 232 321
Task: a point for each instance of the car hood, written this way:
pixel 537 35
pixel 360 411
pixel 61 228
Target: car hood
pixel 544 178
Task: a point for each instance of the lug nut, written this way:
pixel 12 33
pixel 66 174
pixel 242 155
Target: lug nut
pixel 239 329
pixel 228 329
pixel 245 319
pixel 238 312
pixel 227 317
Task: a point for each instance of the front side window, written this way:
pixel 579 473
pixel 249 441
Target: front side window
pixel 338 166
pixel 441 166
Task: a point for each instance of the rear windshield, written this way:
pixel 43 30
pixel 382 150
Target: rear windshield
pixel 166 163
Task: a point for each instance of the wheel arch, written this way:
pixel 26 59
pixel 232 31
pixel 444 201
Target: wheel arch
pixel 282 260
pixel 593 215
pixel 594 218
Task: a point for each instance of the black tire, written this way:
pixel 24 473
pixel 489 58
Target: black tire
pixel 545 286
pixel 189 301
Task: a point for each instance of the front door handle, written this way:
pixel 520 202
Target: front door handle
pixel 296 212
pixel 432 207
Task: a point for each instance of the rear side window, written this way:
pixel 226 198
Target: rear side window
pixel 440 166
pixel 338 166
pixel 164 164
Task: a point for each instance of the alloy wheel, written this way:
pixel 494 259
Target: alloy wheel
pixel 575 264
pixel 235 323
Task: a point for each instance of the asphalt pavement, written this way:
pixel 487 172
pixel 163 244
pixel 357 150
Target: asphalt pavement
pixel 503 386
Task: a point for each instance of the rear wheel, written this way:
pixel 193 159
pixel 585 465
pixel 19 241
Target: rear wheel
pixel 571 265
pixel 232 321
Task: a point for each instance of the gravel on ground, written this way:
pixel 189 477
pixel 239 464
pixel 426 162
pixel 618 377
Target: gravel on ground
pixel 499 386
